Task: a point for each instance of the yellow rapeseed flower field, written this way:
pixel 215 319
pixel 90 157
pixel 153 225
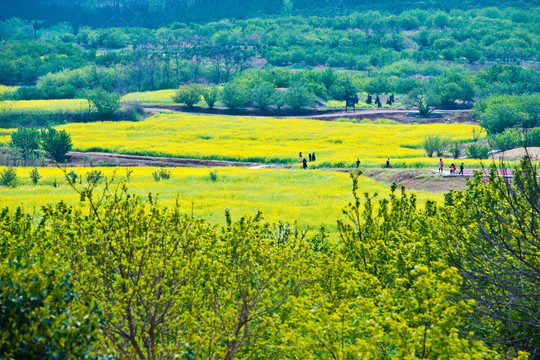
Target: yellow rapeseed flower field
pixel 311 198
pixel 44 105
pixel 267 140
pixel 162 97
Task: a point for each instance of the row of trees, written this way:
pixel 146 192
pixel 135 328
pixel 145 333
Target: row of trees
pixel 27 141
pixel 133 279
pixel 358 41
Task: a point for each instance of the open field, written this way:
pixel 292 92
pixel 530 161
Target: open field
pixel 44 105
pixel 266 140
pixel 310 197
pixel 163 97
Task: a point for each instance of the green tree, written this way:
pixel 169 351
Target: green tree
pixel 26 140
pixel 211 95
pixel 298 96
pixel 189 95
pixel 343 88
pixel 104 102
pixel 262 95
pixel 234 95
pixel 434 143
pixel 56 143
pixel 491 232
pixel 424 98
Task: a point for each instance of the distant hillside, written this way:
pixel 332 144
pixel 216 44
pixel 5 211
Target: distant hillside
pixel 155 13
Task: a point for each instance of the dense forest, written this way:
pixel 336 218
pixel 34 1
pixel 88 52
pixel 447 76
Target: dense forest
pixel 155 13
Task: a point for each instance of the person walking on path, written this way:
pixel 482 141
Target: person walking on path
pixel 304 163
pixel 461 167
pixel 357 163
pixel 441 166
pixel 387 163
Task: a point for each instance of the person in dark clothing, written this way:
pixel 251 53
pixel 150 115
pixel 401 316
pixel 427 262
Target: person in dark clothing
pixel 304 163
pixel 310 157
pixel 357 163
pixel 378 101
pixel 369 100
pixel 313 156
pixel 461 167
pixel 388 162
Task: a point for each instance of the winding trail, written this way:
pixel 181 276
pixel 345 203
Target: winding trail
pixel 329 115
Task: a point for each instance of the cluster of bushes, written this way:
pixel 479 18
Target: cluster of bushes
pixel 512 138
pixel 132 278
pixel 27 141
pixel 501 112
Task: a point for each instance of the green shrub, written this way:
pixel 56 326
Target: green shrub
pixel 434 143
pixel 56 143
pixel 213 176
pixel 299 96
pixel 26 140
pixel 455 150
pixel 94 177
pixel 104 102
pixel 211 96
pixel 34 176
pixel 509 139
pixel 72 177
pixel 478 151
pixel 532 138
pixel 234 95
pixel 189 95
pixel 262 95
pixel 8 177
pixel 161 174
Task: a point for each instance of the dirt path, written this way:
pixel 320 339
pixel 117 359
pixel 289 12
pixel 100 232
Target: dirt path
pixel 400 115
pixel 413 179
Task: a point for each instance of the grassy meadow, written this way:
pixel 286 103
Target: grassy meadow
pixel 267 140
pixel 311 198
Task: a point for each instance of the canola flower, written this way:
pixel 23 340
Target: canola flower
pixel 267 140
pixel 44 105
pixel 162 97
pixel 311 198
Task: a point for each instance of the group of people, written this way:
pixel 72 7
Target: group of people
pixel 304 161
pixel 452 168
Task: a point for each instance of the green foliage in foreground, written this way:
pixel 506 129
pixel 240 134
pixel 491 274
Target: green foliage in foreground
pixel 391 287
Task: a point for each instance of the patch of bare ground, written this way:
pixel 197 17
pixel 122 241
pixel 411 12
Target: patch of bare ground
pixel 417 179
pixel 518 154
